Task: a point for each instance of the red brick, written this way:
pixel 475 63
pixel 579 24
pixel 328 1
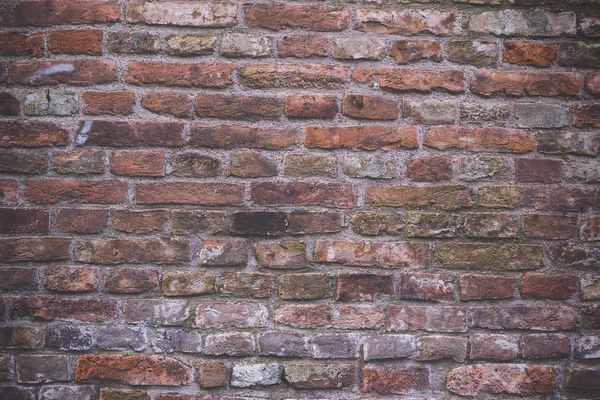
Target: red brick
pixel 8 190
pixel 428 318
pixel 20 44
pixel 75 191
pixel 493 347
pixel 185 222
pixel 131 134
pixel 203 15
pixel 516 379
pixel 81 220
pixel 529 53
pixel 76 41
pixel 140 221
pixel 258 223
pixel 486 256
pixel 186 283
pixel 91 309
pixel 250 164
pixel 369 107
pixel 42 369
pixel 503 140
pixel 432 287
pixel 422 80
pixel 429 169
pixel 590 229
pixel 57 12
pixel 311 106
pixel 199 193
pixel 367 137
pixel 539 170
pixel 138 163
pixel 555 198
pixel 364 287
pixel 19 337
pixel 520 83
pixel 34 249
pixel 486 287
pixel 438 347
pixel 379 254
pixel 71 279
pixel 213 374
pixel 18 279
pixel 130 280
pixel 170 103
pixel 343 316
pixel 288 254
pixel 132 370
pixel 241 136
pixel 238 315
pixel 130 250
pixel 157 312
pixel 54 72
pixel 179 74
pixel 293 76
pixel 20 220
pixel 314 17
pixel 586 115
pixel 314 222
pixel 248 108
pixel 9 104
pixel 110 394
pixel 301 46
pixel 578 54
pixel 396 380
pixel 409 51
pixel 540 286
pixel 546 345
pixel 118 102
pixel 80 162
pixel 592 83
pixel 444 197
pixel 304 194
pixel 549 226
pixel 539 318
pixel 32 134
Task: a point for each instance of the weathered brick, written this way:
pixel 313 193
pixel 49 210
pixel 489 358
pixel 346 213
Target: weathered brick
pixel 112 394
pixel 249 108
pixel 239 315
pixel 202 15
pixel 542 286
pixel 485 168
pixel 549 226
pixel 138 163
pixel 314 17
pixel 304 194
pixel 186 283
pixel 358 48
pixel 336 316
pixel 420 224
pixel 132 43
pixel 396 380
pixel 32 134
pixel 505 257
pixel 546 345
pixel 202 75
pixel 69 337
pixel 48 308
pixel 288 254
pixel 388 346
pixel 491 225
pixel 305 286
pixel 586 115
pixel 183 45
pixel 314 222
pixel 130 280
pixel 303 165
pixel 516 22
pixel 529 53
pixel 501 140
pixel 537 115
pixel 587 347
pixel 521 83
pixel 577 54
pixel 410 51
pixel 116 337
pixel 429 169
pixel 400 80
pixel 72 12
pixel 223 253
pixel 238 44
pixel 583 378
pixel 376 223
pixel 408 21
pixel 361 287
pixel 537 318
pixel 481 53
pixel 592 83
pixel 18 279
pixel 431 348
pixel 361 137
pixel 19 337
pixel 130 134
pixel 54 72
pixel 240 136
pixel 380 254
pixel 556 198
pixel 320 376
pixel 80 220
pixel 302 46
pixel 66 393
pixel 13 43
pixel 186 222
pixel 493 347
pixel 34 249
pixel 256 375
pixel 71 279
pixel 475 113
pixel 230 344
pixel 311 106
pixel 283 344
pixel 293 76
pixel 157 312
pixel 432 287
pixel 250 164
pixel 76 41
pixel 169 103
pixel 17 393
pixel 41 369
pixel 9 104
pixel 194 165
pixel 80 162
pixel 199 193
pixel 213 374
pixel 431 319
pixel 118 102
pixel 22 220
pixel 130 250
pixel 333 345
pixel 443 197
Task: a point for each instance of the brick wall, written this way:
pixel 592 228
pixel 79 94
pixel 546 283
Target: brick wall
pixel 299 199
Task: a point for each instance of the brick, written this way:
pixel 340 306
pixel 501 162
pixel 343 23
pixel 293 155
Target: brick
pixel 410 51
pixel 474 113
pixel 573 256
pixel 157 312
pixel 569 142
pixel 303 194
pixel 92 309
pixel 491 225
pixel 481 53
pixel 536 115
pixel 434 347
pixel 395 380
pixel 19 337
pixel 431 319
pixel 369 107
pixel 583 171
pixel 240 136
pixel 231 344
pixel 444 197
pixel 213 374
pixel 80 162
pixel 498 196
pixel 282 344
pixel 130 134
pixel 140 221
pixel 546 345
pixel 256 375
pixel 369 137
pixel 117 102
pixel 20 44
pixel 541 286
pixel 358 48
pixel 305 286
pixel 502 140
pixel 538 318
pixel 590 25
pixel 18 279
pixel 32 134
pixel 130 280
pixel 132 370
pixel 379 254
pixel 421 80
pixel 69 337
pixel 80 220
pixel 592 83
pixel 41 369
pixel 288 254
pixel 169 103
pixel 76 41
pixel 493 347
pixel 583 378
pixel 326 345
pixel 501 257
pixel 549 226
pixel 46 248
pixel 516 379
pixel 51 102
pixel 429 169
pixel 576 54
pixel 587 347
pixel 429 112
pixel 199 193
pixel 485 168
pixel 314 222
pixel 376 223
pixel 124 338
pixel 314 17
pixel 337 316
pixel 303 165
pixel 388 347
pixel 238 315
pixel 311 106
pixel 201 75
pixel 432 287
pixel 302 46
pixel 186 222
pixel 293 76
pixel 138 163
pixel 585 115
pixel 194 165
pixel 9 104
pixel 319 376
pixel 237 44
pixel 519 83
pixel 258 223
pixel 529 53
pixel 66 393
pixel 130 250
pixel 72 12
pixel 408 21
pixel 527 23
pixel 434 225
pixel 182 45
pixel 590 287
pixel 223 253
pixel 186 283
pixel 353 287
pixel 250 164
pixel 247 284
pixel 71 279
pixel 110 394
pixel 17 393
pixel 590 229
pixel 54 72
pixel 248 108
pixel 557 198
pixel 373 167
pixel 202 15
pixel 132 43
pixel 20 220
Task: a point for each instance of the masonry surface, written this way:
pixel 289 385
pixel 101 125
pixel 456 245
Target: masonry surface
pixel 376 199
